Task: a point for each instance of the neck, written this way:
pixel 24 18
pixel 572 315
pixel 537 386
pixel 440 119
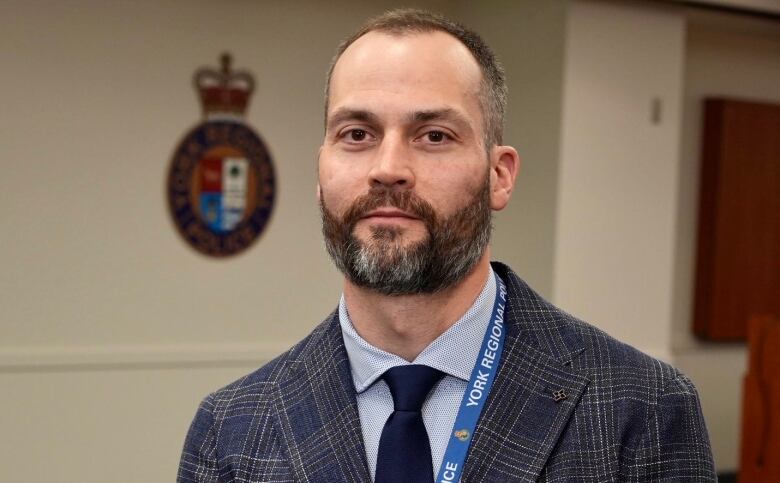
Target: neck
pixel 404 325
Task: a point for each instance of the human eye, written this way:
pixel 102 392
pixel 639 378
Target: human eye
pixel 435 137
pixel 356 135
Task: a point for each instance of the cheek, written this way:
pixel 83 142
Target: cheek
pixel 448 193
pixel 337 192
pixel 333 182
pixel 329 198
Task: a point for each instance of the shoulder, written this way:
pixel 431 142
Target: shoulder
pixel 634 388
pixel 238 419
pixel 654 421
pixel 256 390
pixel 610 362
pixel 644 412
pixel 583 347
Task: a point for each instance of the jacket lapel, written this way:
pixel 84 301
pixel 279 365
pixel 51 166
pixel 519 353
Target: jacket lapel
pixel 522 421
pixel 317 412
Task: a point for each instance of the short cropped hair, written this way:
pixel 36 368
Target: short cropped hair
pixel 493 89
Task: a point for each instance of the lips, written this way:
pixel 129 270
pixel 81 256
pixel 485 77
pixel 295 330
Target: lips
pixel 388 214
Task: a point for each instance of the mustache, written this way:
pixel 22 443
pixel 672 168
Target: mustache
pixel 379 197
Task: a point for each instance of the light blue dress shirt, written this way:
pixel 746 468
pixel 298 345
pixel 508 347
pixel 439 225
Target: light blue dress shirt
pixel 454 353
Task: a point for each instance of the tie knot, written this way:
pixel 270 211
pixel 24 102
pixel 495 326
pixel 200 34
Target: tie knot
pixel 410 385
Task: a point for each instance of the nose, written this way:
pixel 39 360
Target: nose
pixel 392 167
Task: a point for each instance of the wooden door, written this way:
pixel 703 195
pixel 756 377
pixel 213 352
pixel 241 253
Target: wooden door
pixel 738 260
pixel 760 442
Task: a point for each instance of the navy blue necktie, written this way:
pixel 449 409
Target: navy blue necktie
pixel 404 450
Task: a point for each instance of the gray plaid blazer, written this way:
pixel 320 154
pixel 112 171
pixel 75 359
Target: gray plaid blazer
pixel 626 417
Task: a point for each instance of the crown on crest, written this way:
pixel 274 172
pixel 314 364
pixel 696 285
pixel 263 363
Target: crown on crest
pixel 223 91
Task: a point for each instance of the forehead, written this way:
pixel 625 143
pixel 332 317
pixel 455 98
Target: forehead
pixel 428 69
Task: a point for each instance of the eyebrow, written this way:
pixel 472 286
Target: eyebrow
pixel 446 114
pixel 348 114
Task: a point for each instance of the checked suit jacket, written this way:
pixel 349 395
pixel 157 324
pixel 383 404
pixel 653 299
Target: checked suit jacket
pixel 626 416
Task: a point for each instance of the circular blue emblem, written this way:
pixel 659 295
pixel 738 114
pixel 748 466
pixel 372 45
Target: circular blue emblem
pixel 221 187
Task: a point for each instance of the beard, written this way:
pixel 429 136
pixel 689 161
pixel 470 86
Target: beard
pixel 450 250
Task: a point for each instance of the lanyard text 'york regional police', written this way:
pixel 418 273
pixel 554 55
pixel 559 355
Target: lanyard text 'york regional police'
pixel 476 392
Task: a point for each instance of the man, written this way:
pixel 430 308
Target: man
pixel 438 365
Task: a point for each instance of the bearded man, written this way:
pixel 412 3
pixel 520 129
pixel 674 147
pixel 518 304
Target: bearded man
pixel 438 365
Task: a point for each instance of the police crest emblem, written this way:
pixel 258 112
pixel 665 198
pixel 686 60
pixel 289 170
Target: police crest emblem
pixel 221 183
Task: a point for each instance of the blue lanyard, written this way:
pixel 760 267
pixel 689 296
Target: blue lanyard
pixel 476 392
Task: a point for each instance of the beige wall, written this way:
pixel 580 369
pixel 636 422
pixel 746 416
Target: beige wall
pixel 111 328
pixel 618 169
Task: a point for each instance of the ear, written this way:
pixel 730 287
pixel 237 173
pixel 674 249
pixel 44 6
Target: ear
pixel 505 164
pixel 319 194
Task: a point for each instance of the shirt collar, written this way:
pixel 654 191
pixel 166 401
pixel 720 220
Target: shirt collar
pixel 454 352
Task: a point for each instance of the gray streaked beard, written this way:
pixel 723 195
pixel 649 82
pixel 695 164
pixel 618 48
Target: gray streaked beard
pixel 444 258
